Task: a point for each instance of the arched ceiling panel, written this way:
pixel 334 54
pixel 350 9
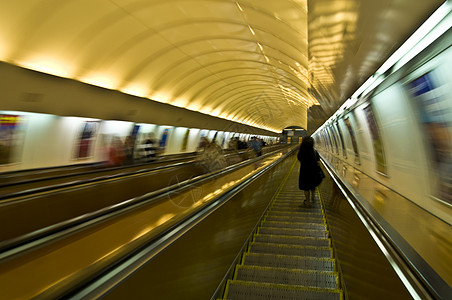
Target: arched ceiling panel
pixel 212 86
pixel 247 60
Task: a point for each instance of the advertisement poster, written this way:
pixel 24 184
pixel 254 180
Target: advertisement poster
pixel 333 138
pixel 434 111
pixel 86 139
pixel 134 132
pixel 11 138
pixel 164 138
pixel 344 151
pixel 376 140
pixel 352 136
pixel 185 141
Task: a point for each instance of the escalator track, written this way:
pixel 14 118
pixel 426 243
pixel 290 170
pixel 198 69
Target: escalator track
pixel 290 255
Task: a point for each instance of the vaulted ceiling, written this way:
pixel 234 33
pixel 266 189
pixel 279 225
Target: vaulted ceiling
pixel 265 63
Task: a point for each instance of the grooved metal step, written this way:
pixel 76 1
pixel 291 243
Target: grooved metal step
pixel 298 209
pixel 290 255
pixel 291 240
pixel 294 225
pixel 284 218
pixel 288 261
pixel 297 214
pixel 291 250
pixel 293 232
pixel 316 279
pixel 258 291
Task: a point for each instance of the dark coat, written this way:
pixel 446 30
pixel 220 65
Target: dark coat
pixel 308 179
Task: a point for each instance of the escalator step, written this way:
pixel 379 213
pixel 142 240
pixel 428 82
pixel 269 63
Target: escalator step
pixel 299 209
pixel 289 200
pixel 258 291
pixel 291 192
pixel 293 232
pixel 291 250
pixel 316 279
pixel 294 225
pixel 285 218
pixel 292 240
pixel 300 214
pixel 287 261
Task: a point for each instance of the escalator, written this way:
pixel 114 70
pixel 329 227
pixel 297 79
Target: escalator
pixel 248 236
pixel 290 255
pixel 69 262
pixel 46 204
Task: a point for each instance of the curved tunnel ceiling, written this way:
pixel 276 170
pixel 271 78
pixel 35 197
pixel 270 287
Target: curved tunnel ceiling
pixel 262 63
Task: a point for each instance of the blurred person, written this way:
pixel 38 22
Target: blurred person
pixel 149 148
pixel 232 144
pixel 129 149
pixel 441 143
pixel 311 175
pixel 256 146
pixel 210 155
pixel 241 145
pixel 104 150
pixel 203 144
pixel 6 145
pixel 116 152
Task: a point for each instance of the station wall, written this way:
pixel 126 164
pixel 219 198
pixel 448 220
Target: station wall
pixel 400 134
pixel 35 140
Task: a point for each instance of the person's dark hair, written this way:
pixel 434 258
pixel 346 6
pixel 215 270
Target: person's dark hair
pixel 307 142
pixel 307 148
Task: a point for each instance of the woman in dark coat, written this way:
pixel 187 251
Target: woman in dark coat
pixel 309 168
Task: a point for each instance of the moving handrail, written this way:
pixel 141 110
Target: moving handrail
pixel 115 273
pixel 31 175
pixel 406 266
pixel 30 240
pixel 100 173
pixel 98 179
pixel 128 211
pixel 107 171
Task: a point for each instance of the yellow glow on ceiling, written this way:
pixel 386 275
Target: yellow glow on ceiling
pixel 161 97
pixel 136 90
pixel 192 54
pixel 180 102
pixel 194 106
pixel 216 112
pixel 4 50
pixel 101 80
pixel 48 65
pixel 206 110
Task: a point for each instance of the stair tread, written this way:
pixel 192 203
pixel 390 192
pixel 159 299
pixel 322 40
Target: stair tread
pixel 294 240
pixel 320 279
pixel 291 250
pixel 290 256
pixel 289 261
pixel 253 290
pixel 293 232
